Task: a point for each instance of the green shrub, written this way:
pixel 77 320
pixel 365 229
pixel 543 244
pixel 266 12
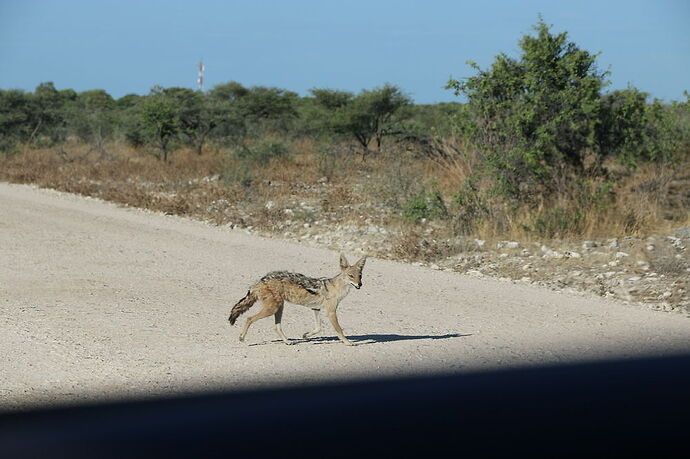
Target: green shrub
pixel 557 222
pixel 469 208
pixel 534 114
pixel 263 152
pixel 240 165
pixel 428 205
pixel 630 128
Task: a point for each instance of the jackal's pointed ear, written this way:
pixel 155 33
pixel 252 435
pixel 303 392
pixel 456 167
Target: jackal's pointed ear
pixel 343 262
pixel 360 262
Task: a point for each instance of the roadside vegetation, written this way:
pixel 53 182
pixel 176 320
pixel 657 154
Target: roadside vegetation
pixel 538 152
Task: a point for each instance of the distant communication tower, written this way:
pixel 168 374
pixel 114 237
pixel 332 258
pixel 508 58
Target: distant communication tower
pixel 200 78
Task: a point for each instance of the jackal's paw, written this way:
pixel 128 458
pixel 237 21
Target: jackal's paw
pixel 348 342
pixel 241 339
pixel 289 343
pixel 306 335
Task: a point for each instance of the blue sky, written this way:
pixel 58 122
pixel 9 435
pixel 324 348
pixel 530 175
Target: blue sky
pixel 129 46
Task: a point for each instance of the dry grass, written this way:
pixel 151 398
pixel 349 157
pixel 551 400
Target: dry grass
pixel 377 189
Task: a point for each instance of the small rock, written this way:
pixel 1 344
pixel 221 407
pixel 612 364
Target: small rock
pixel 612 243
pixel 570 254
pixel 552 254
pixel 507 244
pixel 270 205
pixel 480 242
pixel 676 242
pixel 588 245
pixel 634 278
pixel 621 255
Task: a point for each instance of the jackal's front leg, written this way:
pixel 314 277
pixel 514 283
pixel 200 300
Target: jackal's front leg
pixel 338 329
pixel 317 325
pixel 278 329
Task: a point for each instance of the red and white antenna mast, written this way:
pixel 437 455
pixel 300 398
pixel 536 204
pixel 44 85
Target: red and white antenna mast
pixel 200 78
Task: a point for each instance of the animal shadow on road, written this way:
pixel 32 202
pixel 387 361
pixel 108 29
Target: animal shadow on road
pixel 378 338
pixel 365 339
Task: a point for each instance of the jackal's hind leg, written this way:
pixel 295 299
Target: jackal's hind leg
pixel 268 309
pixel 338 329
pixel 279 331
pixel 317 325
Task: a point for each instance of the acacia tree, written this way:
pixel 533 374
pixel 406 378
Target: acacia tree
pixel 47 112
pixel 91 117
pixel 324 113
pixel 197 115
pixel 159 122
pixel 369 116
pixel 254 110
pixel 14 118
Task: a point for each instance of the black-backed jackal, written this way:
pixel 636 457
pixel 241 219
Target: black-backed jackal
pixel 322 294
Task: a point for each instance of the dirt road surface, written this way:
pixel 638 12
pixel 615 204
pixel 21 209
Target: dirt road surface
pixel 102 302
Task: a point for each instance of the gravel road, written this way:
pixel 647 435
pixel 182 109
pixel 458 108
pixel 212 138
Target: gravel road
pixel 103 302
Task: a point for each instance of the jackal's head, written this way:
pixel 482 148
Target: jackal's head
pixel 353 272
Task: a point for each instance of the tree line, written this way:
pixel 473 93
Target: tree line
pixel 529 116
pixel 230 113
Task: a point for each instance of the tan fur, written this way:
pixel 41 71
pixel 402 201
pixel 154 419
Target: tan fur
pixel 318 294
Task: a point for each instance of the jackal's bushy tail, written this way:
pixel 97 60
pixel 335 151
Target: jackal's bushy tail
pixel 242 306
